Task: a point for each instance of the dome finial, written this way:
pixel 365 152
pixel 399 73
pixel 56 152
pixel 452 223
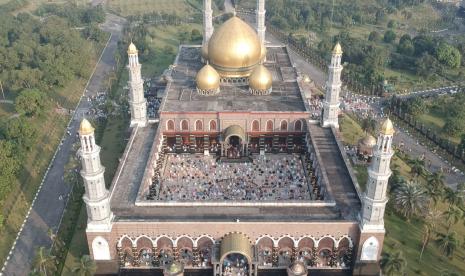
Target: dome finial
pixel 132 49
pixel 337 49
pixel 85 128
pixel 387 128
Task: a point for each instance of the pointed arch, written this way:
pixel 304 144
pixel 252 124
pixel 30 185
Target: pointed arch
pixel 255 125
pixel 213 125
pixel 269 125
pixel 298 125
pixel 283 126
pixel 100 249
pixel 198 125
pixel 184 125
pixel 170 125
pixel 370 249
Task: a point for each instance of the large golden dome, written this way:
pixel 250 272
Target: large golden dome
pixel 234 48
pixel 208 79
pixel 260 79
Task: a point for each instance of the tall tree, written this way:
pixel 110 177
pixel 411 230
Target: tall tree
pixel 417 167
pixel 85 267
pixel 30 102
pixel 393 263
pixel 45 262
pixel 434 186
pixel 447 243
pixel 429 227
pixel 410 199
pixel 453 215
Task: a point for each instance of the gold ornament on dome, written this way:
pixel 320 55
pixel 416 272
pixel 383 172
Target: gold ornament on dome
pixel 132 50
pixel 387 128
pixel 234 48
pixel 85 128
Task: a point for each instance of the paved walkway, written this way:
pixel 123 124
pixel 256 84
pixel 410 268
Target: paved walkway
pixel 47 208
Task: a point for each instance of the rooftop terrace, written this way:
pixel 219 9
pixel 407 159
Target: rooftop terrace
pixel 181 93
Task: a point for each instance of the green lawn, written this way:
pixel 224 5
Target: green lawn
pixel 78 245
pixel 134 7
pixel 351 130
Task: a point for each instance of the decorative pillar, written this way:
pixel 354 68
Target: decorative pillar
pixel 195 256
pixel 333 88
pixel 274 255
pixel 260 13
pixel 207 21
pixel 96 196
pixel 137 101
pixel 120 254
pixel 135 256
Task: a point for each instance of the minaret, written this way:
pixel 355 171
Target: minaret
pixel 374 201
pixel 333 88
pixel 137 102
pixel 96 197
pixel 207 21
pixel 261 20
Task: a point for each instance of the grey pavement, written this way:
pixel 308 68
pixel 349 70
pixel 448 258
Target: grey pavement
pixel 47 209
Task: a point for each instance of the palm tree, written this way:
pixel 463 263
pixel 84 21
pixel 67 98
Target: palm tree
pixel 429 227
pixel 368 124
pixel 448 273
pixel 453 215
pixel 447 243
pixel 452 197
pixel 45 262
pixel 85 267
pixel 393 263
pixel 417 167
pixel 435 186
pixel 410 199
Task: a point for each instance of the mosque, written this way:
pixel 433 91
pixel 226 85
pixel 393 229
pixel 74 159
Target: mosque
pixel 234 178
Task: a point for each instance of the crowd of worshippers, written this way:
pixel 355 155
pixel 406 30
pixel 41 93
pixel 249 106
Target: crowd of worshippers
pixel 188 177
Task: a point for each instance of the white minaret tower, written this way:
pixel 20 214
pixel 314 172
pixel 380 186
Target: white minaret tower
pixel 333 88
pixel 137 101
pixel 261 29
pixel 374 201
pixel 207 21
pixel 96 197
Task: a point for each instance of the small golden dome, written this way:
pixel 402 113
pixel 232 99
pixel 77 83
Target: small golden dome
pixel 234 48
pixel 387 128
pixel 368 141
pixel 132 49
pixel 260 79
pixel 263 52
pixel 85 128
pixel 337 49
pixel 207 78
pixel 205 52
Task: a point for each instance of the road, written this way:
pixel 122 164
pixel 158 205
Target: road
pixel 50 202
pixel 415 149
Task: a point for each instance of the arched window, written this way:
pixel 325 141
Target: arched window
pixel 212 125
pixel 198 125
pixel 184 125
pixel 255 126
pixel 269 125
pixel 170 125
pixel 298 125
pixel 283 125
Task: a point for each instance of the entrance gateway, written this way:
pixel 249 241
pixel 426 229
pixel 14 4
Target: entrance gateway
pixel 235 143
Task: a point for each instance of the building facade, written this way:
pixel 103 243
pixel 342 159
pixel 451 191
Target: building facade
pixel 231 106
